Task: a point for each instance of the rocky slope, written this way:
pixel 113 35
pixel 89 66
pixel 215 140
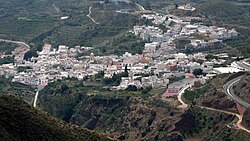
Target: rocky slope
pixel 214 97
pixel 138 115
pixel 125 117
pixel 242 89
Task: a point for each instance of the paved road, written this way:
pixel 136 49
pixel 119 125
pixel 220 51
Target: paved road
pixel 228 89
pixel 183 104
pixel 35 100
pixel 36 96
pixel 238 123
pixel 15 42
pixel 140 7
pixel 243 65
pixel 90 16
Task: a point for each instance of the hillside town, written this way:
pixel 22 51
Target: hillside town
pixel 125 70
pixel 160 65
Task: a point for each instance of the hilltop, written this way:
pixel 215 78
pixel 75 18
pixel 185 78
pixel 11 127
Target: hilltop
pixel 19 121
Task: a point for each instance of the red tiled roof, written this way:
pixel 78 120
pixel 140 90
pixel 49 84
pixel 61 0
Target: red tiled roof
pixel 169 94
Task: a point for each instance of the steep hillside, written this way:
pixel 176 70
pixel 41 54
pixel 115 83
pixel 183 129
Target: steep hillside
pixel 211 95
pixel 246 119
pixel 138 115
pixel 223 11
pixel 19 121
pixel 126 115
pixel 22 91
pixel 207 125
pixel 214 97
pixel 242 89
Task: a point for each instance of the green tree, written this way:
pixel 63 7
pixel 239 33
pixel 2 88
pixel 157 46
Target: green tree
pixel 197 72
pixel 126 68
pixel 6 60
pixel 131 88
pixel 64 88
pixel 100 74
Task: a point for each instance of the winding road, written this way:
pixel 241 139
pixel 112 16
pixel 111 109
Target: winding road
pixel 238 123
pixel 15 42
pixel 26 45
pixel 90 16
pixel 183 104
pixel 228 89
pixel 243 65
pixel 140 7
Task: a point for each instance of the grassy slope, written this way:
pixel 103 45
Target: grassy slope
pixel 123 44
pixel 209 125
pixel 224 13
pixel 19 121
pixel 40 22
pixel 7 47
pixel 20 90
pixel 25 29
